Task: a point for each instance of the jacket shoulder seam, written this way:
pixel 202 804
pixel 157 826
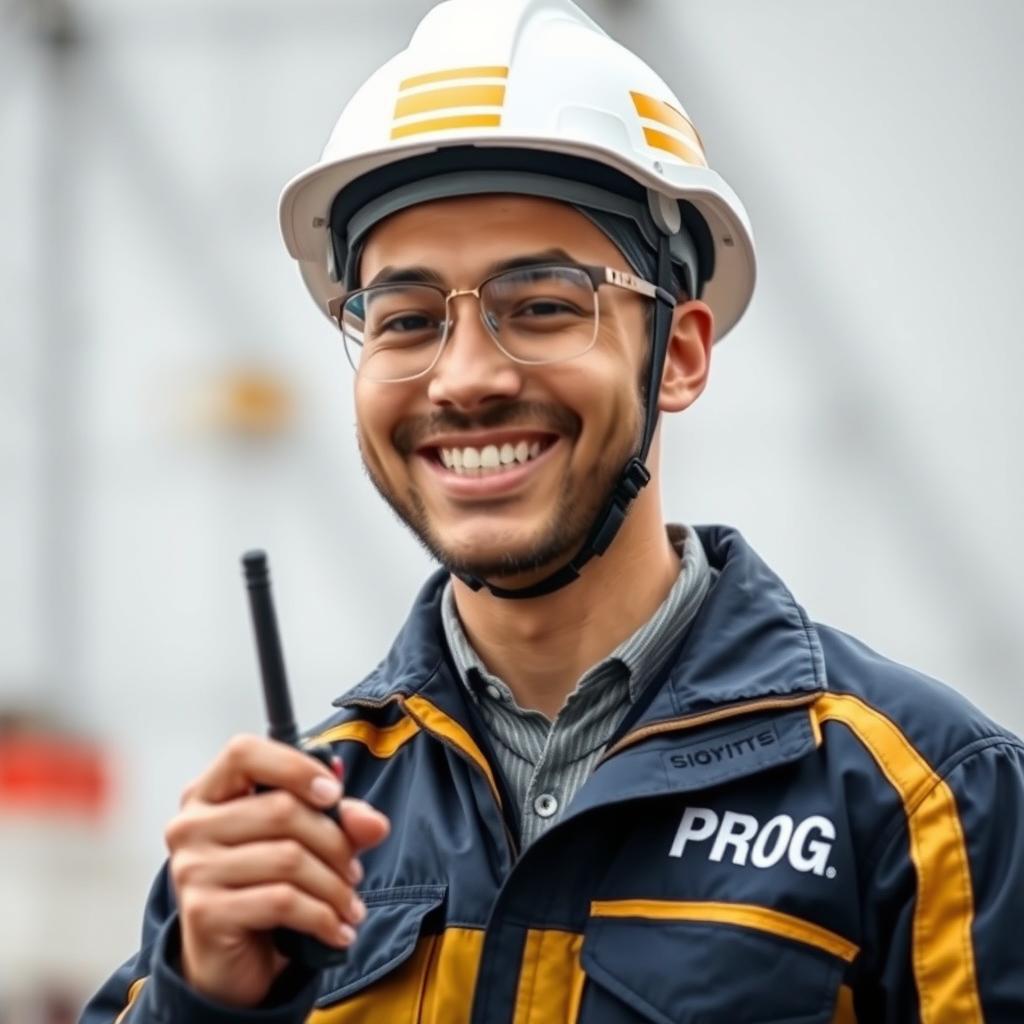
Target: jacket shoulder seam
pixel 957 758
pixel 901 816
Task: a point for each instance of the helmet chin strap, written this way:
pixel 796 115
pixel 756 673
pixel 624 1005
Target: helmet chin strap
pixel 634 475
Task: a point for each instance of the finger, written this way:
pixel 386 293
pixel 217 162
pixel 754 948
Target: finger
pixel 276 814
pixel 249 761
pixel 260 908
pixel 364 825
pixel 266 863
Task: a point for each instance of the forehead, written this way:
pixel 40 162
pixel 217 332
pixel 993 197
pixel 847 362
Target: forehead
pixel 461 235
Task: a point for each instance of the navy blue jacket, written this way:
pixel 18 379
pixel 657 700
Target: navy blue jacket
pixel 787 828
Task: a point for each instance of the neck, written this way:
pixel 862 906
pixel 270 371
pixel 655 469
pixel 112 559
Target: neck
pixel 541 646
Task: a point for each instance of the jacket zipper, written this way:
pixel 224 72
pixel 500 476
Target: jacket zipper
pixel 705 718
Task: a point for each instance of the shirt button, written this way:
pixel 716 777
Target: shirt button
pixel 545 805
pixel 493 692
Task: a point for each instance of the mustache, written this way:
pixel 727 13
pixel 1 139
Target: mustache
pixel 411 433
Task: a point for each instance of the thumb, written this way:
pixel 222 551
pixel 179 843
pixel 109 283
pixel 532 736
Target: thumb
pixel 363 825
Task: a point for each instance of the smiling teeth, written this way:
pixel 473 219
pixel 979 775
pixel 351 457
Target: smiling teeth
pixel 489 459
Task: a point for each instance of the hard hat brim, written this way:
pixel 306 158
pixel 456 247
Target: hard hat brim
pixel 306 200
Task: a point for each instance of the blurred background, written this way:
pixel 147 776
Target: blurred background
pixel 169 396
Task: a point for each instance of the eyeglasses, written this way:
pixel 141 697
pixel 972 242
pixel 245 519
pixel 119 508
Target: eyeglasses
pixel 537 314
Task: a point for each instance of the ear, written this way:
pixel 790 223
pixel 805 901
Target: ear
pixel 688 358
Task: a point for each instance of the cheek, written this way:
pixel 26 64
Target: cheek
pixel 604 390
pixel 376 417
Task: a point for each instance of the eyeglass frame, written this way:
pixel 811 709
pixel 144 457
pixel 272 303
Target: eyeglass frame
pixel 599 275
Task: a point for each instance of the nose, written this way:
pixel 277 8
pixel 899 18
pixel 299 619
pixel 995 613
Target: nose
pixel 471 370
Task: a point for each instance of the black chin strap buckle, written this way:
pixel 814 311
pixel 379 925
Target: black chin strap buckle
pixel 633 479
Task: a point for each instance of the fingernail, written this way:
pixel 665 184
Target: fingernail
pixel 325 790
pixel 357 909
pixel 347 934
pixel 355 872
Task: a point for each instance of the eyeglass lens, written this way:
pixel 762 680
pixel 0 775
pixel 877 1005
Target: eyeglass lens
pixel 534 314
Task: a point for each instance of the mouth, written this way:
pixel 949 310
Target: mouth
pixel 497 456
pixel 473 464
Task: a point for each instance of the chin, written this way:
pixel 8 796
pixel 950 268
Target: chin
pixel 488 552
pixel 497 544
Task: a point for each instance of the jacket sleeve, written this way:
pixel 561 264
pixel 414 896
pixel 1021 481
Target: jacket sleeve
pixel 149 989
pixel 944 921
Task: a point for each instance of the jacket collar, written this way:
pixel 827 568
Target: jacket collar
pixel 750 640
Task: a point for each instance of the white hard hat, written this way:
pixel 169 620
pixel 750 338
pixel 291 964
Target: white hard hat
pixel 531 76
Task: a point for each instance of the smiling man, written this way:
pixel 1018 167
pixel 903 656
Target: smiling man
pixel 609 772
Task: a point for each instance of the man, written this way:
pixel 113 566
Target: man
pixel 609 772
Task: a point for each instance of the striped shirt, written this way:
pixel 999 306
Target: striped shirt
pixel 546 761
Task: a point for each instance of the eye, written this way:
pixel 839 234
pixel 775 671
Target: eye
pixel 546 307
pixel 408 322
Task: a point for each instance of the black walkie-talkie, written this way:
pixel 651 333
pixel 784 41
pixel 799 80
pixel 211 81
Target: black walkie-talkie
pixel 281 726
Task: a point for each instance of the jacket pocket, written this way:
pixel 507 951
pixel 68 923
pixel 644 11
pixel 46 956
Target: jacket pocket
pixel 384 975
pixel 708 963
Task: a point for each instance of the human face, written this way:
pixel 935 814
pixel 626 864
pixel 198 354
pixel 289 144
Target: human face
pixel 582 417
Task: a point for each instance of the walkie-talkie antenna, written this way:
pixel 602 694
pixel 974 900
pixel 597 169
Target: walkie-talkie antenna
pixel 280 718
pixel 295 945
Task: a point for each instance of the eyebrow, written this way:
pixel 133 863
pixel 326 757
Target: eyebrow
pixel 420 274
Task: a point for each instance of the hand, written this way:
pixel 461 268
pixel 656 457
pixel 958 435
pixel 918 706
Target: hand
pixel 244 863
